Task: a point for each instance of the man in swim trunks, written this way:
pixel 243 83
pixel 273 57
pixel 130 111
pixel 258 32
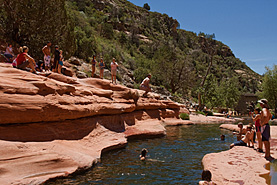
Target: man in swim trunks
pixel 265 128
pixel 47 55
pixel 145 85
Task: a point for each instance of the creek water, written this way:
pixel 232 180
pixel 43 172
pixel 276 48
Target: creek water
pixel 173 159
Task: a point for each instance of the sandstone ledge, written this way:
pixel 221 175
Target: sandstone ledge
pixel 56 125
pixel 201 119
pixel 240 165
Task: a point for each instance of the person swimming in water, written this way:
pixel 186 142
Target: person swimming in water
pixel 143 154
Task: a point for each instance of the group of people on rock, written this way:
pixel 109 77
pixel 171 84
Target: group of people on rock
pixel 262 130
pixel 25 62
pixel 145 84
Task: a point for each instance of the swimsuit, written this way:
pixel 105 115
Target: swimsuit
pixel 47 59
pixel 102 65
pixel 258 125
pixel 240 143
pixel 93 62
pixel 265 130
pixel 61 62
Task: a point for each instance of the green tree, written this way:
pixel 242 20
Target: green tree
pixel 33 23
pixel 229 91
pixel 269 87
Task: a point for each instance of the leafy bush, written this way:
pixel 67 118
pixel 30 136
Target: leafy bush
pixel 184 116
pixel 201 112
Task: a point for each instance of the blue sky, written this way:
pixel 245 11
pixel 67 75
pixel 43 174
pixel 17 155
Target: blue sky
pixel 248 27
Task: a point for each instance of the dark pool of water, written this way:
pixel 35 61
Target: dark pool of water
pixel 173 159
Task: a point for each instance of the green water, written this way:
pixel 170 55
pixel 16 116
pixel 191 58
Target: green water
pixel 173 159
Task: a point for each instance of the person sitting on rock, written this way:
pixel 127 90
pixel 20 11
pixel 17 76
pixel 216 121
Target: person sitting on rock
pixel 245 140
pixel 145 85
pixel 24 60
pixel 9 53
pixel 206 178
pixel 143 154
pixel 241 131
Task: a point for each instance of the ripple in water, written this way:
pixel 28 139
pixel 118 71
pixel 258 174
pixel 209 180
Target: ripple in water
pixel 173 159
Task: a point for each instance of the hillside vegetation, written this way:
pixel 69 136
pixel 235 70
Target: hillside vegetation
pixel 183 62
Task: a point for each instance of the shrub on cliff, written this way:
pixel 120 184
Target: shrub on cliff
pixel 184 116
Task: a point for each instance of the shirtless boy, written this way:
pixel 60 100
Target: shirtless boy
pixel 47 52
pixel 245 140
pixel 265 128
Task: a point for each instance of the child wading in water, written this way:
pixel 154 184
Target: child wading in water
pixel 101 68
pixel 206 178
pixel 143 154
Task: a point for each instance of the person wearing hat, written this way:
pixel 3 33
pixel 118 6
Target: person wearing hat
pixel 265 128
pixel 145 85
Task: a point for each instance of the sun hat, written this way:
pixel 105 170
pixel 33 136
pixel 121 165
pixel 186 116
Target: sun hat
pixel 264 102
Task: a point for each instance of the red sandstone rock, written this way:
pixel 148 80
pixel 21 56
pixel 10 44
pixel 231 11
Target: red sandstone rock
pixel 211 119
pixel 64 123
pixel 240 165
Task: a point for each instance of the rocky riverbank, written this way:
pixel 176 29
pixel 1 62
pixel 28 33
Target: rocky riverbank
pixel 56 125
pixel 240 165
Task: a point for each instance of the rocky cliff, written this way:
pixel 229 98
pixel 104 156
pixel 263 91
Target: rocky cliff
pixel 56 125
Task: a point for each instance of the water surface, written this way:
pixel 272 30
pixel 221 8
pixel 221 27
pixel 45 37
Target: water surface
pixel 173 159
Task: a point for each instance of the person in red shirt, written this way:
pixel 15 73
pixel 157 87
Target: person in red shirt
pixel 24 60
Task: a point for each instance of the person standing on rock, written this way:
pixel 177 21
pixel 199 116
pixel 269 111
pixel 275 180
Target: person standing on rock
pixel 114 66
pixel 145 85
pixel 265 128
pixel 60 65
pixel 47 55
pixel 56 59
pixel 101 68
pixel 93 63
pixel 257 119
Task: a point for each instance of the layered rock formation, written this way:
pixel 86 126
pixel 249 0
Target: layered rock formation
pixel 240 165
pixel 53 126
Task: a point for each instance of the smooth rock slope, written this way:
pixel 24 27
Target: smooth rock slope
pixel 56 125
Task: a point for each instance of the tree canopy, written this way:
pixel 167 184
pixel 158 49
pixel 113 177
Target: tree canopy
pixel 269 87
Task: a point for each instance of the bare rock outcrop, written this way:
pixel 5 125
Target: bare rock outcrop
pixel 56 125
pixel 240 165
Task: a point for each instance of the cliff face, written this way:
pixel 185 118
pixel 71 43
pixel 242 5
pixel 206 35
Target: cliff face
pixel 52 126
